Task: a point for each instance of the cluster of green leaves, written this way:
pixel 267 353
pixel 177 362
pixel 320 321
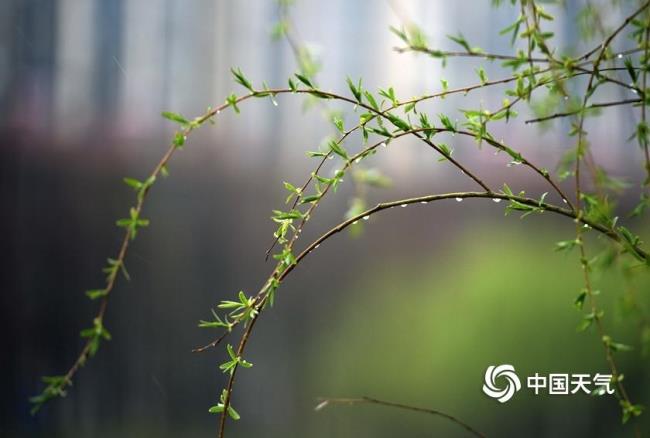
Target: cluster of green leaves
pixel 55 387
pixel 518 206
pixel 95 334
pixel 133 222
pixel 219 408
pixel 241 310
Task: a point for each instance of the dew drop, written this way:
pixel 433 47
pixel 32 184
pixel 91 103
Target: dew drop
pixel 355 222
pixel 497 200
pixel 565 201
pixel 331 157
pixel 566 97
pixel 403 205
pixel 459 199
pixel 358 160
pixel 384 144
pixel 620 56
pixel 365 218
pixel 316 247
pixel 424 202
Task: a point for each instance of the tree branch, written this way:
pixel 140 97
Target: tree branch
pixel 325 401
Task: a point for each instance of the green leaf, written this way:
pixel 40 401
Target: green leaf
pixel 542 13
pixel 174 117
pixel 390 95
pixel 96 293
pixel 241 79
pixel 229 304
pixel 580 300
pixel 216 409
pixel 371 100
pixel 460 40
pixel 232 101
pixel 338 150
pixel 482 75
pixel 615 346
pixel 310 199
pixel 630 410
pixel 338 122
pixel 397 121
pixel 231 352
pixel 304 80
pixel 446 151
pixel 355 89
pixel 643 204
pixel 513 28
pixel 401 34
pixel 132 182
pixel 566 245
pixel 233 413
pixel 631 71
pixel 447 123
pixel 179 140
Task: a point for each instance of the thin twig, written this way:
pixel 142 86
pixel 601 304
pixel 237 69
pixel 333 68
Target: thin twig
pixel 325 401
pixel 452 54
pixel 592 106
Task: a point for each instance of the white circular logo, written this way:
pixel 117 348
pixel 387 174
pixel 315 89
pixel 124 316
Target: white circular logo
pixel 502 394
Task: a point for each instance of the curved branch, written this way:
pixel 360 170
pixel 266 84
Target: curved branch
pixel 325 401
pixel 592 106
pixel 457 195
pixel 452 54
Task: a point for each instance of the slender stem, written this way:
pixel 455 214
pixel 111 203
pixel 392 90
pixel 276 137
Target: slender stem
pixel 456 195
pixel 644 141
pixel 482 55
pixel 592 106
pixel 325 401
pixel 584 263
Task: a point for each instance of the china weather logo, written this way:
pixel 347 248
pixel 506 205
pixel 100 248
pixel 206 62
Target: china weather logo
pixel 502 394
